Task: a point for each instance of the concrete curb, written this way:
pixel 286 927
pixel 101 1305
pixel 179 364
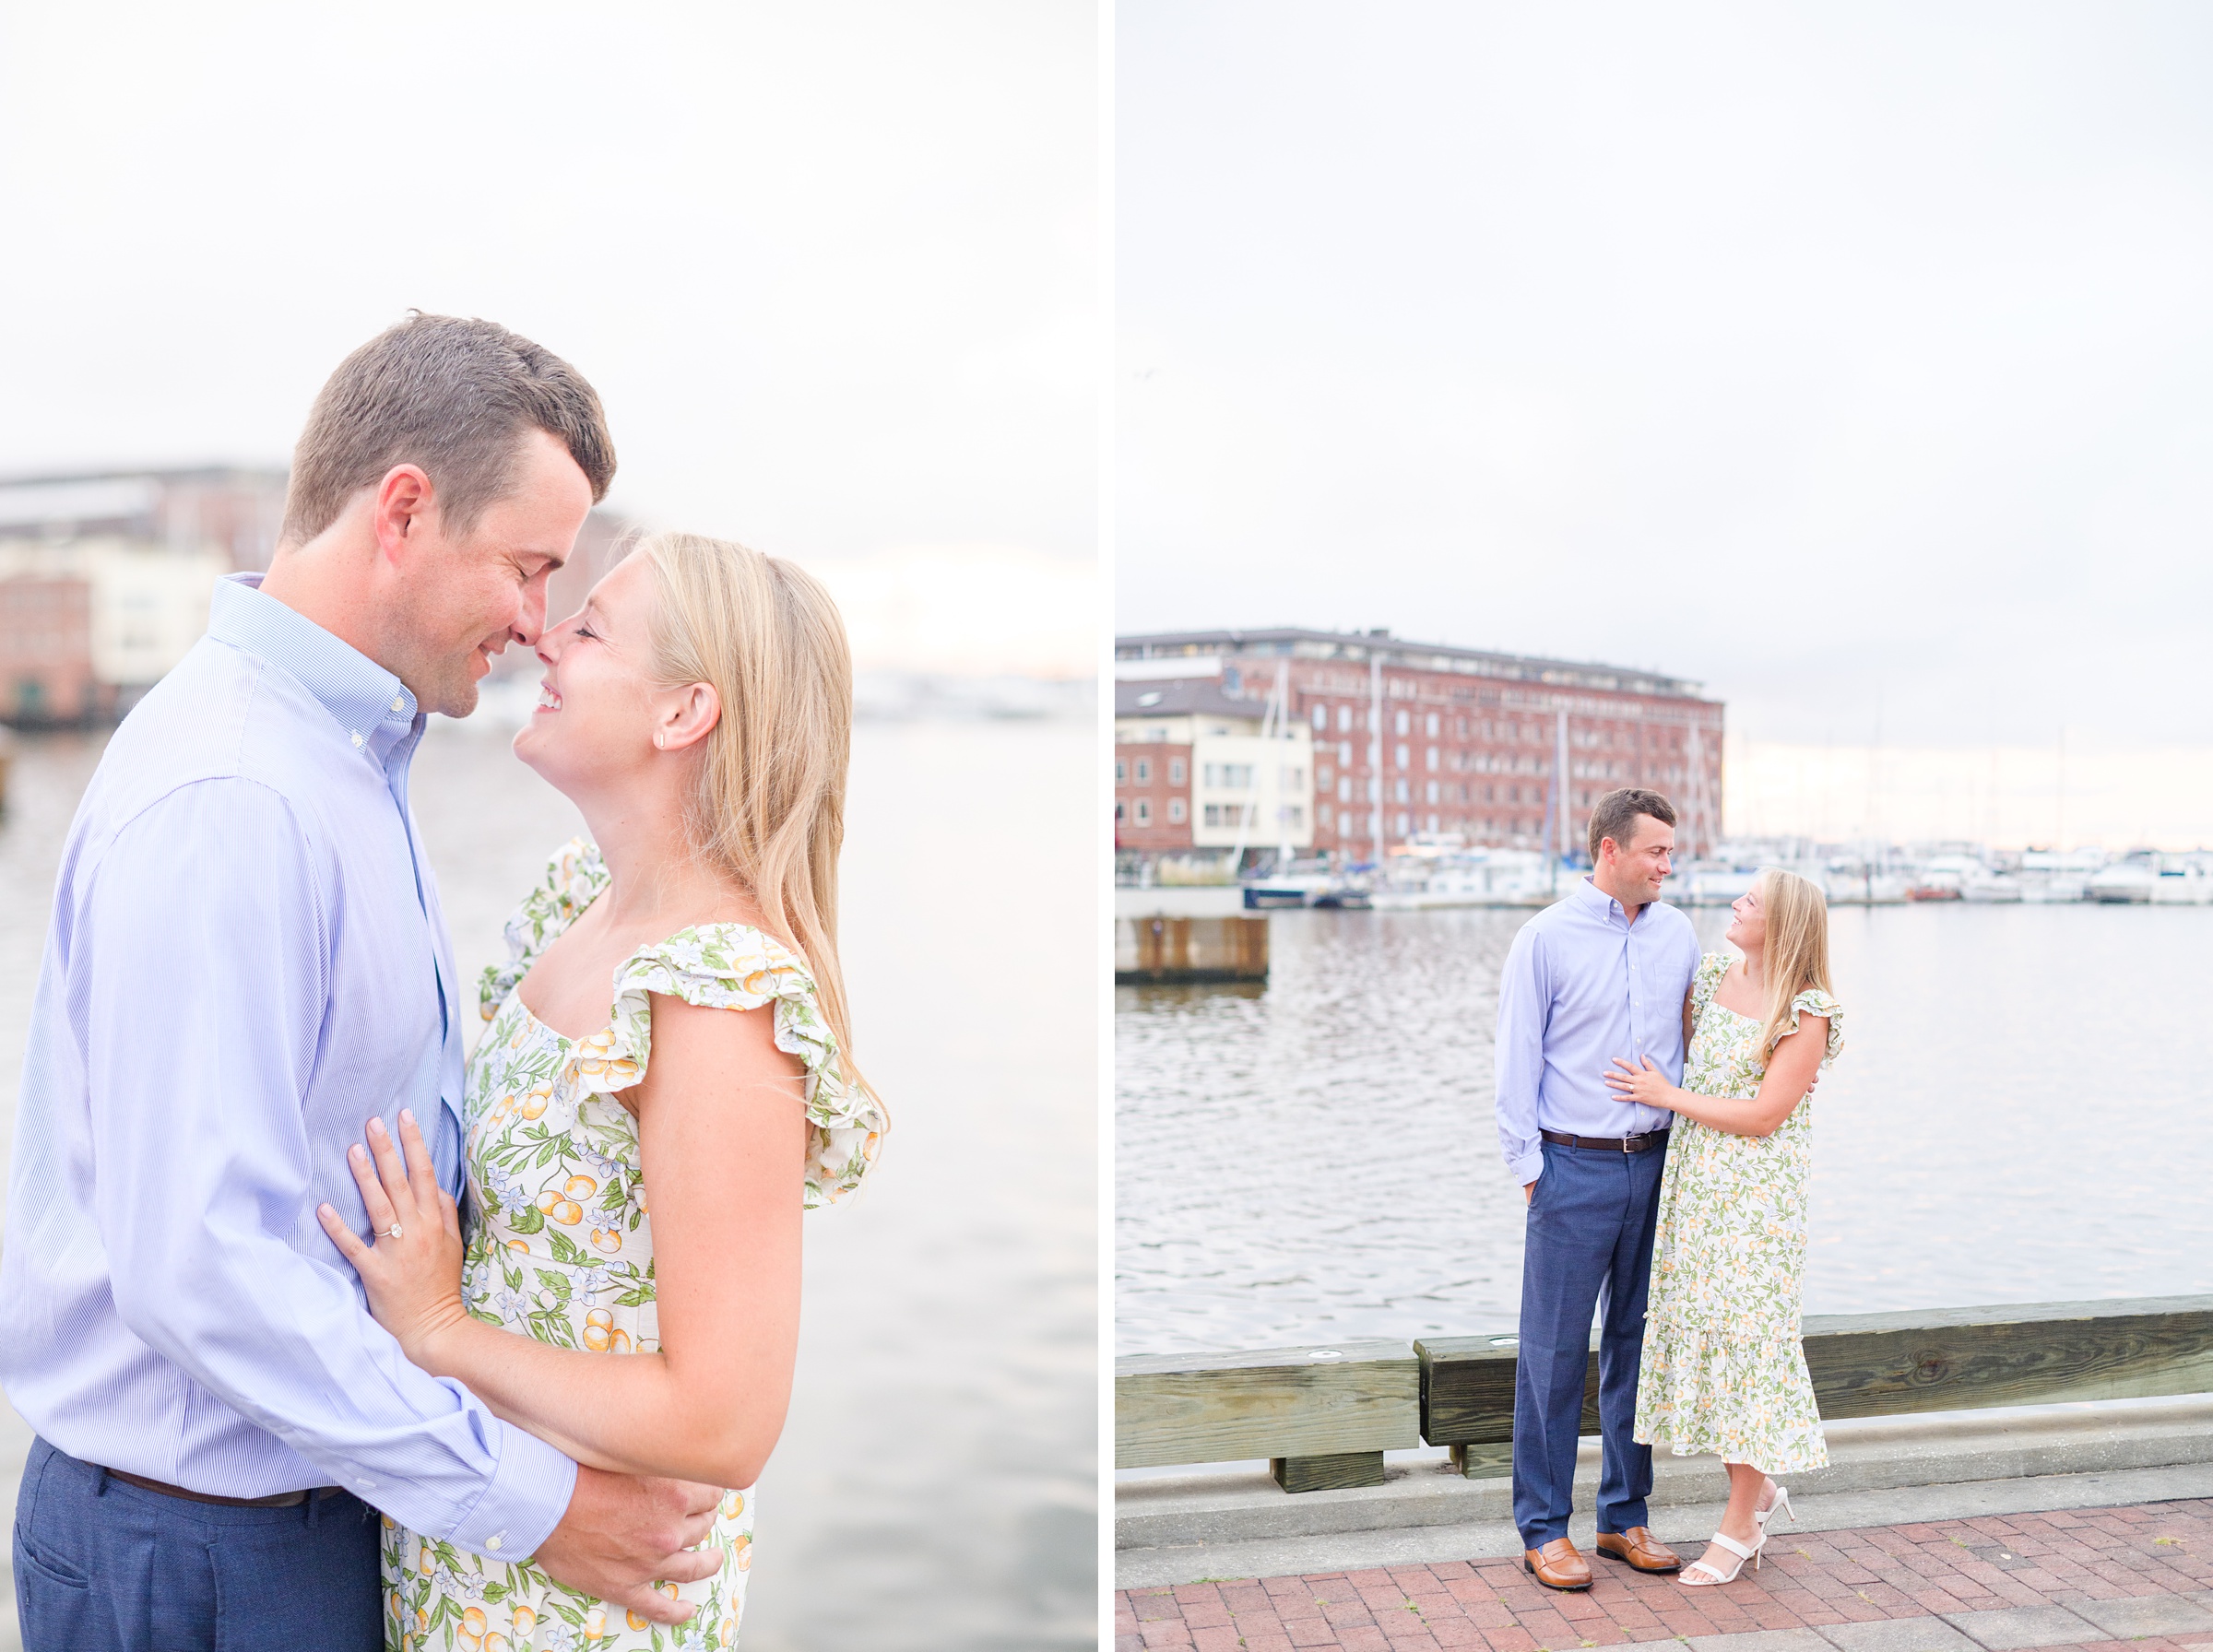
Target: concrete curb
pixel 1882 1472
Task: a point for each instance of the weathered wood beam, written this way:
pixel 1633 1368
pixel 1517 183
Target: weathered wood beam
pixel 1890 1364
pixel 1319 1400
pixel 1331 1473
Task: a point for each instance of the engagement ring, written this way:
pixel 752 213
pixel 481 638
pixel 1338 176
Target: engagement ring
pixel 391 1232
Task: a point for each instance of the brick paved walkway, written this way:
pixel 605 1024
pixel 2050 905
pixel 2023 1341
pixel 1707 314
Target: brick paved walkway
pixel 2088 1577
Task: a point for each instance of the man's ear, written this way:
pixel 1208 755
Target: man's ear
pixel 404 499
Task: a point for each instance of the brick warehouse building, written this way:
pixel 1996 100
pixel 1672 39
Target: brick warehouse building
pixel 1421 740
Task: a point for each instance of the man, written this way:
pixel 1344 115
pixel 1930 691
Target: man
pixel 246 962
pixel 1604 974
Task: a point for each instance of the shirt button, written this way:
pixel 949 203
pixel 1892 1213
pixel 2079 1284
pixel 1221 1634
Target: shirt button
pixel 492 1542
pixel 357 739
pixel 399 705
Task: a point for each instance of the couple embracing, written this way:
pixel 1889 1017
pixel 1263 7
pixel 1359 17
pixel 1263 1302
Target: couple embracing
pixel 1653 1104
pixel 317 1322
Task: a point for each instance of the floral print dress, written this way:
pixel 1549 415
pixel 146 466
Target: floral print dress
pixel 1724 1368
pixel 560 1240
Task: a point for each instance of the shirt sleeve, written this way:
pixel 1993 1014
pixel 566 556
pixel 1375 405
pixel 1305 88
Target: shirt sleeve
pixel 1524 999
pixel 202 956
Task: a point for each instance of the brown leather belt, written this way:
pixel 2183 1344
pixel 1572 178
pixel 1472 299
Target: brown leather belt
pixel 278 1500
pixel 1610 1144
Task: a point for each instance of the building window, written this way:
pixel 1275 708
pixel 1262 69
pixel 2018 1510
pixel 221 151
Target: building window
pixel 1293 778
pixel 1433 823
pixel 1121 811
pixel 1405 722
pixel 1292 815
pixel 1399 796
pixel 1175 811
pixel 1122 772
pixel 1144 771
pixel 1322 815
pixel 1433 752
pixel 1230 777
pixel 1433 797
pixel 1144 811
pixel 1432 731
pixel 1344 719
pixel 1323 780
pixel 1322 717
pixel 1405 758
pixel 1344 754
pixel 1175 771
pixel 1230 814
pixel 1404 825
pixel 1344 789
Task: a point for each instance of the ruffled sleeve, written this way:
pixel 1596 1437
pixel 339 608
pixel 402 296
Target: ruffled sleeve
pixel 1712 968
pixel 1814 1001
pixel 574 876
pixel 735 966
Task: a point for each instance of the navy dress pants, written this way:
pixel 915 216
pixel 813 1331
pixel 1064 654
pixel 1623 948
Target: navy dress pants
pixel 102 1567
pixel 1587 1247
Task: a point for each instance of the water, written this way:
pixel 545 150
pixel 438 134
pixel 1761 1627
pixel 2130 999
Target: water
pixel 936 1486
pixel 2019 1115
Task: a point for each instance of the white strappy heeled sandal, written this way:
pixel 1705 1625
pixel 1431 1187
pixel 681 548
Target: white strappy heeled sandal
pixel 1782 1501
pixel 1721 1541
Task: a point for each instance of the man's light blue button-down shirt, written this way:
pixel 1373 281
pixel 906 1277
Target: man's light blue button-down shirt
pixel 246 963
pixel 1581 985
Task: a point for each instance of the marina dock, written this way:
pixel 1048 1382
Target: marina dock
pixel 1931 1414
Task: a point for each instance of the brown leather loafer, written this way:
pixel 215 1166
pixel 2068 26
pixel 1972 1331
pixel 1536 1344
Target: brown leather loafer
pixel 1557 1566
pixel 1639 1550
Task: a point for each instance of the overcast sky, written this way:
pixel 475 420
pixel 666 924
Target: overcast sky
pixel 833 267
pixel 1855 359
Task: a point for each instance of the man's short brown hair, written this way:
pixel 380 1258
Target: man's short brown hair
pixel 454 396
pixel 1615 816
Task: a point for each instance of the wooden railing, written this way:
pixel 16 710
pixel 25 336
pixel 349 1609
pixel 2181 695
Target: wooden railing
pixel 1324 1415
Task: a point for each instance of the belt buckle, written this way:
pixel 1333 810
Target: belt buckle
pixel 1627 1140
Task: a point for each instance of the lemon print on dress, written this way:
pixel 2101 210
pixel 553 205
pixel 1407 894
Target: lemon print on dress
pixel 532 1103
pixel 733 1504
pixel 525 1619
pixel 599 1330
pixel 637 1621
pixel 606 1239
pixel 742 1553
pixel 595 1624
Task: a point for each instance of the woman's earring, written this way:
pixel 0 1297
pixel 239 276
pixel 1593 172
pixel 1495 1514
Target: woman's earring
pixel 660 739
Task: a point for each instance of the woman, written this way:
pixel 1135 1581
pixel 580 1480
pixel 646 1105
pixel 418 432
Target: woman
pixel 697 711
pixel 1724 1367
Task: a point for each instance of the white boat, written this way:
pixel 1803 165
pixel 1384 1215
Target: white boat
pixel 1994 887
pixel 2182 885
pixel 2125 883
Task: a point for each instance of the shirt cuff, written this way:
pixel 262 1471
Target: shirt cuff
pixel 1528 1167
pixel 528 1494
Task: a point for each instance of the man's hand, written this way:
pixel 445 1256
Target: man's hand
pixel 623 1534
pixel 1529 1191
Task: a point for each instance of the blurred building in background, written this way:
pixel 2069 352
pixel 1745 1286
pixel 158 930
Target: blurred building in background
pixel 1403 741
pixel 104 580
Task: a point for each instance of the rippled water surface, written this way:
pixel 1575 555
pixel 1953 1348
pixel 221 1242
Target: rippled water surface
pixel 2021 1114
pixel 935 1487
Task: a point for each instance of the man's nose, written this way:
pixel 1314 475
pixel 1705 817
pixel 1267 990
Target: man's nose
pixel 531 624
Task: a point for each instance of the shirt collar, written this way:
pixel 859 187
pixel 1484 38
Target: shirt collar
pixel 1600 904
pixel 372 705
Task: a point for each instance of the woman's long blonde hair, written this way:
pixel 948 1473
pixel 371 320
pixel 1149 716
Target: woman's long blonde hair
pixel 1796 955
pixel 767 808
